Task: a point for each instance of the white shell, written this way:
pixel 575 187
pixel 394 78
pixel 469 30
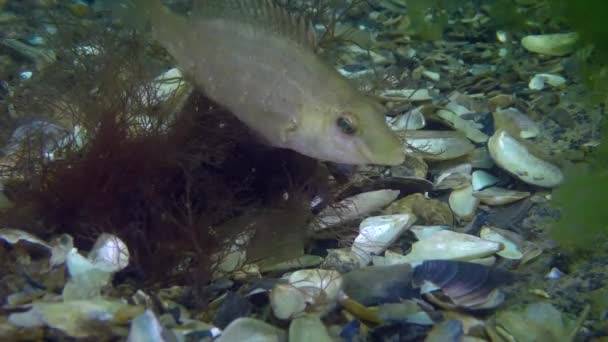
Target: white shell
pixel 437 145
pixel 251 329
pixel 449 245
pixel 482 179
pixel 308 328
pixel 320 287
pixel 538 81
pixel 510 250
pixel 526 126
pixel 412 120
pixel 557 44
pixel 377 233
pixel 431 75
pixel 514 157
pixel 424 232
pixel 355 206
pixel 286 301
pixel 499 196
pixel 454 177
pixel 463 203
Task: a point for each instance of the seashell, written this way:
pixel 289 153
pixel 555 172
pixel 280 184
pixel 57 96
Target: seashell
pixel 321 288
pixel 424 232
pixel 405 311
pixel 516 123
pixel 286 301
pixel 482 179
pixel 146 327
pixel 405 185
pixel 355 207
pixel 449 245
pixel 436 145
pixel 109 250
pixel 555 274
pixel 461 284
pixel 308 328
pixel 480 158
pixel 487 261
pixel 402 95
pixel 412 120
pixel 501 100
pixel 450 330
pixel 251 329
pixel 393 283
pixel 377 233
pixel 75 318
pixel 510 250
pixel 499 196
pixel 431 75
pixel 538 81
pixel 14 236
pixel 463 203
pixel 515 158
pixel 454 177
pixel 530 251
pixel 557 44
pixel 462 125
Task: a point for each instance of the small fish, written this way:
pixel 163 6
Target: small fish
pixel 258 61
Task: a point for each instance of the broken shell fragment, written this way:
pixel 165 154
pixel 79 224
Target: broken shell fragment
pixel 463 203
pixel 377 233
pixel 499 196
pixel 516 158
pixel 436 145
pixel 557 44
pixel 453 284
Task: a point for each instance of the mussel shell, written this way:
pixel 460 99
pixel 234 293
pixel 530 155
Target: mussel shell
pixel 462 284
pixel 375 285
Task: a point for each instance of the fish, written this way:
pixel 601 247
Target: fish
pixel 258 60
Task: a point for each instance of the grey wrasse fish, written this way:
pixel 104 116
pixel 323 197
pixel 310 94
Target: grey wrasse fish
pixel 258 61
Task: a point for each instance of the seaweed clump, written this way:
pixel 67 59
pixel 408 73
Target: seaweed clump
pixel 178 178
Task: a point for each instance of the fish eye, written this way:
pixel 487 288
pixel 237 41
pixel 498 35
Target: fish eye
pixel 346 124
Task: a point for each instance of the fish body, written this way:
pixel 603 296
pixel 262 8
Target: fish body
pixel 256 60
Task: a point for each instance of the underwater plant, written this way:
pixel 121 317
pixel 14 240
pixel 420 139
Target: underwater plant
pixel 178 179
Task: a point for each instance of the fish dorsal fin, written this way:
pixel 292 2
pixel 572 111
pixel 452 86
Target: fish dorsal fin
pixel 264 15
